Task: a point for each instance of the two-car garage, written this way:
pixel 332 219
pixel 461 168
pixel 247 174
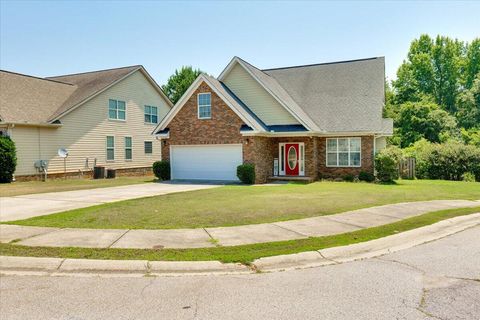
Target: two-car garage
pixel 205 162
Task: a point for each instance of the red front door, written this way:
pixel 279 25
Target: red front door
pixel 292 159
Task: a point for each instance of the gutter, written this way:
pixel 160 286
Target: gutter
pixel 28 124
pixel 311 133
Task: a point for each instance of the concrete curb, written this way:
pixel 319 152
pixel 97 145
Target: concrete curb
pixel 329 256
pixel 368 249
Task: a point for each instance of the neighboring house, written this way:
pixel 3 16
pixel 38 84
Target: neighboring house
pixel 303 122
pixel 103 117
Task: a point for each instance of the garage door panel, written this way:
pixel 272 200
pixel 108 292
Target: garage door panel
pixel 212 162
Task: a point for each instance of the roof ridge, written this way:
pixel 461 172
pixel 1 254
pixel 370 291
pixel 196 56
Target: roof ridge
pixel 35 77
pixel 95 71
pixel 322 63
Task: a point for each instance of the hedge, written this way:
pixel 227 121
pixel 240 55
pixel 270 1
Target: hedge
pixel 8 159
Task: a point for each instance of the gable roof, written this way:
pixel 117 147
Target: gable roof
pixel 345 96
pixel 225 94
pixel 274 89
pixel 34 100
pixel 26 99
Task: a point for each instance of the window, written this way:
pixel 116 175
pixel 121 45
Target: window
pixel 110 148
pixel 344 152
pixel 148 147
pixel 204 106
pixel 116 109
pixel 151 114
pixel 128 148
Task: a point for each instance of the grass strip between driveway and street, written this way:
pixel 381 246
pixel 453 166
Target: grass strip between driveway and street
pixel 242 205
pixel 243 254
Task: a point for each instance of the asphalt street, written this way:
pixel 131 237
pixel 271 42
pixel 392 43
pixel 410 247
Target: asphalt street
pixel 437 280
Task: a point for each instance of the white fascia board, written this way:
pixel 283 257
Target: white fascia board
pixel 306 134
pixel 241 113
pixel 310 125
pixel 93 95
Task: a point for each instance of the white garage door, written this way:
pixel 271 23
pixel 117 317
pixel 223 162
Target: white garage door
pixel 206 162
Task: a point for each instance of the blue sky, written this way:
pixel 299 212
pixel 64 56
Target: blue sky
pixel 45 38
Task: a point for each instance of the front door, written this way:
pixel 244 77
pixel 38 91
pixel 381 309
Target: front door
pixel 292 158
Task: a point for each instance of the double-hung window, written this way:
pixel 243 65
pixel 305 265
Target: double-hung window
pixel 116 109
pixel 110 148
pixel 344 152
pixel 128 148
pixel 204 105
pixel 148 146
pixel 151 114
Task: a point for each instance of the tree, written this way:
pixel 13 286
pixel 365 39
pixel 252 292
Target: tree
pixel 423 119
pixel 179 82
pixel 439 68
pixel 468 114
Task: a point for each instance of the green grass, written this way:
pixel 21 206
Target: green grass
pixel 30 187
pixel 244 254
pixel 239 205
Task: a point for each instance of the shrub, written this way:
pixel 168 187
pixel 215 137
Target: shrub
pixel 447 161
pixel 349 177
pixel 246 173
pixel 386 165
pixel 366 176
pixel 161 169
pixel 468 177
pixel 8 159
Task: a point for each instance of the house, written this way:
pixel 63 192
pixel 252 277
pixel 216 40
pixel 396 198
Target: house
pixel 302 122
pixel 102 118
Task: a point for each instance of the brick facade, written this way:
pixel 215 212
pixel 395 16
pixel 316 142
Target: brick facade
pixel 224 128
pixel 186 129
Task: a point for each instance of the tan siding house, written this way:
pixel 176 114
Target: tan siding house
pixel 83 126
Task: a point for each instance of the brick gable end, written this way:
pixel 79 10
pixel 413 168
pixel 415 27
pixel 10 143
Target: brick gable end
pixel 186 129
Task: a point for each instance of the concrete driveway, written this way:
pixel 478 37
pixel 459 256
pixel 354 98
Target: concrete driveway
pixel 32 205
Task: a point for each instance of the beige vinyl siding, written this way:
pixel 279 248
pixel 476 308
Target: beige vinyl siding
pixel 380 143
pixel 85 130
pixel 269 110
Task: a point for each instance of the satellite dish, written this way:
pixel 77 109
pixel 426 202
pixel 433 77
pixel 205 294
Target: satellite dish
pixel 62 153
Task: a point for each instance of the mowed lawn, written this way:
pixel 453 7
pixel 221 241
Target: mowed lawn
pixel 239 205
pixel 58 185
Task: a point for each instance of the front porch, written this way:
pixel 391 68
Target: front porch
pixel 302 179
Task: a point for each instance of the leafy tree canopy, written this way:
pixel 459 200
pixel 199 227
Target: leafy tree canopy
pixel 423 119
pixel 179 82
pixel 440 67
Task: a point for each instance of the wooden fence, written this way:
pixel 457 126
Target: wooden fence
pixel 406 168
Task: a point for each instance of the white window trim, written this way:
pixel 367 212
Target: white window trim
pixel 198 105
pixel 337 153
pixel 107 148
pixel 116 119
pixel 301 158
pixel 145 113
pixel 144 149
pixel 125 148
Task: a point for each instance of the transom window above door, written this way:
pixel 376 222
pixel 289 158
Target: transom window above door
pixel 204 101
pixel 116 109
pixel 344 152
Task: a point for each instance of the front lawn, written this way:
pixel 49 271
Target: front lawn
pixel 244 254
pixel 29 187
pixel 239 205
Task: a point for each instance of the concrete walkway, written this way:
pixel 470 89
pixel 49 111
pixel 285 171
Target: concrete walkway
pixel 225 236
pixel 33 205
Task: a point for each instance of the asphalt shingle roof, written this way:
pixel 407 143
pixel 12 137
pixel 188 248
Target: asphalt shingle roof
pixel 339 97
pixel 27 99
